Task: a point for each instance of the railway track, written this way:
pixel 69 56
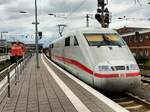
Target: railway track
pixel 2 75
pixel 131 102
pixel 145 79
pixel 144 67
pixel 4 64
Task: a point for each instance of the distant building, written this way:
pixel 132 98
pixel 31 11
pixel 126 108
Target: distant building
pixel 138 40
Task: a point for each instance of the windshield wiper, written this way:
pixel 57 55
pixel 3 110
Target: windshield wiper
pixel 101 44
pixel 110 42
pixel 119 45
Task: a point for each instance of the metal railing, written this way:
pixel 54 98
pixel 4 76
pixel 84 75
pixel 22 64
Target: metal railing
pixel 10 76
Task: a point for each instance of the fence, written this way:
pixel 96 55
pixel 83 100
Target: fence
pixel 10 76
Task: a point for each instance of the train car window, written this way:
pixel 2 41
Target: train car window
pixel 67 41
pixel 127 39
pixel 76 41
pixel 130 39
pixel 146 53
pixel 146 36
pixel 135 39
pixel 112 37
pixel 141 38
pixel 104 40
pixel 94 38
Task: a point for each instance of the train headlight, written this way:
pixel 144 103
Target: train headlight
pixel 133 67
pixel 104 68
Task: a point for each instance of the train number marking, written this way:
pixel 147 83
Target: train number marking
pixel 122 75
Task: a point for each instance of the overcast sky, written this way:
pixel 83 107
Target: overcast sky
pixel 74 12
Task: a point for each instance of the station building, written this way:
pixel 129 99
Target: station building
pixel 138 40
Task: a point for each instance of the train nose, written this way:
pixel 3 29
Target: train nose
pixel 117 77
pixel 118 84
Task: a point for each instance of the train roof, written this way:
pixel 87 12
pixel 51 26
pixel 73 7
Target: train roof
pixel 17 42
pixel 89 30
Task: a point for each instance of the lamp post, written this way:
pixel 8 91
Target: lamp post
pixel 51 14
pixel 36 35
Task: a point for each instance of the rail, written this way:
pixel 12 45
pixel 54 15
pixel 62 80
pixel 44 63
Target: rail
pixel 12 75
pixel 144 67
pixel 132 102
pixel 146 81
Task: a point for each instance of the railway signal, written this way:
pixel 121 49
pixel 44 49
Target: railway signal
pixel 103 15
pixel 40 35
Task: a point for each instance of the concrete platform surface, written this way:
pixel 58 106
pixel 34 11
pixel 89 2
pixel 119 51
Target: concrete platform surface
pixel 39 91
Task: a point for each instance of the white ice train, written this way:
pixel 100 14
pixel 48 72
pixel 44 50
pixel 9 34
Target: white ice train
pixel 99 57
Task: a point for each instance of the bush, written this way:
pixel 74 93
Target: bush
pixel 141 59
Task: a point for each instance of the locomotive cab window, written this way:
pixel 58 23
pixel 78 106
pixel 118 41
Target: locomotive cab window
pixel 67 41
pixel 104 40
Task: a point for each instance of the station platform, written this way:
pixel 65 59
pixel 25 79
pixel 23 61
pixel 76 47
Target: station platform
pixel 48 89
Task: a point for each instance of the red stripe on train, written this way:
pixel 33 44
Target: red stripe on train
pixel 86 69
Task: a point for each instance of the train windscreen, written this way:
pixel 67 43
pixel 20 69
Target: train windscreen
pixel 104 40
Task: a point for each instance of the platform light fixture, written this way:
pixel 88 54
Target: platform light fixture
pixel 22 12
pixel 51 14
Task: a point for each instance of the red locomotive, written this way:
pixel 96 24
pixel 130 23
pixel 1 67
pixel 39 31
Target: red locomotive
pixel 17 51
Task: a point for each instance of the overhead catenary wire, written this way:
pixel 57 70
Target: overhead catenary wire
pixel 66 20
pixel 138 1
pixel 77 8
pixel 74 11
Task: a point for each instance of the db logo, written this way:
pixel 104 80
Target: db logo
pixel 122 75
